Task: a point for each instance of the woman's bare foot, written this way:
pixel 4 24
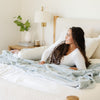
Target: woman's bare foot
pixel 42 62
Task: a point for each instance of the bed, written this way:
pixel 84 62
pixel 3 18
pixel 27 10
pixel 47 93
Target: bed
pixel 15 84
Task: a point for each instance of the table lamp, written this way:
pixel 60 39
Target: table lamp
pixel 42 17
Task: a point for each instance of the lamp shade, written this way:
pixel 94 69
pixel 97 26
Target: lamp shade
pixel 42 17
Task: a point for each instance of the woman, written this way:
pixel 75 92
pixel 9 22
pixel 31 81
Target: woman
pixel 69 52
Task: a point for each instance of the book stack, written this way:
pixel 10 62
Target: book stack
pixel 26 44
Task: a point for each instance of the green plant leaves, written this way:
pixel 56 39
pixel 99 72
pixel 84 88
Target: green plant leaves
pixel 18 23
pixel 27 25
pixel 23 26
pixel 19 17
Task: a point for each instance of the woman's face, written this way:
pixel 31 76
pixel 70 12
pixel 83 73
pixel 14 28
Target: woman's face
pixel 68 38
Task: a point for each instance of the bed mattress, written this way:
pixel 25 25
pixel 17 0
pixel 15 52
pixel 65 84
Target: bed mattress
pixel 12 91
pixel 16 85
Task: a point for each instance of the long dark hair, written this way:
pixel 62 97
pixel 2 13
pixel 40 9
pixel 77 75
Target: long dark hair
pixel 62 49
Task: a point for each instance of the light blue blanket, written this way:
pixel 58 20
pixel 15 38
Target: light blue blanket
pixel 59 73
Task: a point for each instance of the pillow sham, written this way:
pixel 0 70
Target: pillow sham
pixel 92 35
pixel 91 45
pixel 96 54
pixel 33 53
pixel 36 53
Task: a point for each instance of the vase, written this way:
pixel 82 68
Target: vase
pixel 27 37
pixel 22 37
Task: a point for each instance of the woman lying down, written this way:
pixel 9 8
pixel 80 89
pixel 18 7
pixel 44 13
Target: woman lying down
pixel 70 51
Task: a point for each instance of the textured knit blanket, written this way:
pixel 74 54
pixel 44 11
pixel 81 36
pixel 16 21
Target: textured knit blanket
pixel 59 73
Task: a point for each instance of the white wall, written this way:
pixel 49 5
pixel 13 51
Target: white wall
pixel 9 33
pixel 67 8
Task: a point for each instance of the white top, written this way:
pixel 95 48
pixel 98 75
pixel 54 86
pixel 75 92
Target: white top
pixel 74 58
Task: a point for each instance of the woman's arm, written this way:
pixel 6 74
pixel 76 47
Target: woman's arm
pixel 74 68
pixel 79 60
pixel 49 50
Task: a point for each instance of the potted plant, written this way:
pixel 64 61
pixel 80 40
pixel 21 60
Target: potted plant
pixel 24 27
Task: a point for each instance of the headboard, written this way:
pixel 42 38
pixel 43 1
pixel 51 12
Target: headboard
pixel 91 27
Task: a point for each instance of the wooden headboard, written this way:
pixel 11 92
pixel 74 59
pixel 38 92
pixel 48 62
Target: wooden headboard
pixel 54 28
pixel 90 26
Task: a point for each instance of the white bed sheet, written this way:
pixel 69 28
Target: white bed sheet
pixel 18 85
pixel 94 61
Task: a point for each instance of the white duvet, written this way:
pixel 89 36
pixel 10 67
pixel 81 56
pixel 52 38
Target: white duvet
pixel 22 86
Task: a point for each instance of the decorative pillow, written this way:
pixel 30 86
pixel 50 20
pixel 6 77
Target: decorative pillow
pixel 92 50
pixel 96 54
pixel 92 35
pixel 91 45
pixel 34 53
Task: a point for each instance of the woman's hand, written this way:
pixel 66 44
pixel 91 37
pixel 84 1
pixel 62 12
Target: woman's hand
pixel 42 62
pixel 74 68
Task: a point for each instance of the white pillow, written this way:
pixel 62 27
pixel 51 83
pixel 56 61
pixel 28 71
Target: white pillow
pixel 92 35
pixel 91 45
pixel 34 53
pixel 96 54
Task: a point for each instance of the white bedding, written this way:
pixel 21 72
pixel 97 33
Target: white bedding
pixel 18 85
pixel 95 61
pixel 10 91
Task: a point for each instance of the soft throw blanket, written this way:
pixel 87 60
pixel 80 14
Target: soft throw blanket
pixel 59 73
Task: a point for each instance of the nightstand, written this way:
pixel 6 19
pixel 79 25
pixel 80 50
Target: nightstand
pixel 17 47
